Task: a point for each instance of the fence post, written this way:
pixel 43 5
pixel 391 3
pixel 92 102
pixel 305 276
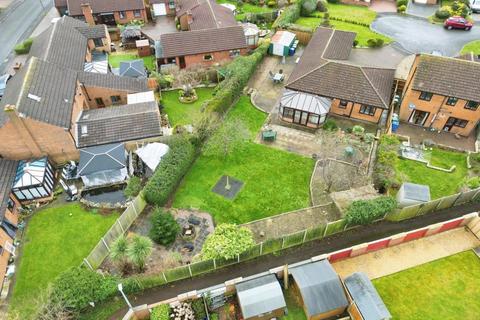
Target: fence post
pixel 134 209
pixel 455 202
pixel 120 224
pixel 88 264
pixel 418 211
pixel 164 277
pixel 190 270
pixel 261 248
pixel 325 232
pixel 105 243
pixel 304 236
pixel 283 241
pixel 475 195
pixel 214 264
pixel 438 204
pixel 238 257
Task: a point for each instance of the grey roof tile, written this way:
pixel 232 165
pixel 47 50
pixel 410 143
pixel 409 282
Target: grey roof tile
pixel 102 6
pixel 102 158
pixel 8 169
pixel 111 81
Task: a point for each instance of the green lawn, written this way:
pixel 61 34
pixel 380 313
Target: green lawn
pixel 473 46
pixel 295 311
pixel 115 58
pixel 56 239
pixel 443 289
pixel 184 113
pixel 275 181
pixel 441 183
pixel 247 8
pixel 351 12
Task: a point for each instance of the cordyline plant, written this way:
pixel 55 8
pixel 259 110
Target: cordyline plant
pixel 227 241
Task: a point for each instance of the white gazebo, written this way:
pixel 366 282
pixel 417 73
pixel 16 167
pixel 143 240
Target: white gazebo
pixel 152 154
pixel 304 108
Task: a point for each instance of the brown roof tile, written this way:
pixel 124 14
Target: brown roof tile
pixel 210 15
pixel 100 6
pixel 8 169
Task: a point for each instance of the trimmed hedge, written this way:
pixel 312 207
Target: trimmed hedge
pixel 237 75
pixel 170 171
pixel 289 15
pixel 24 47
pixel 161 312
pixel 366 211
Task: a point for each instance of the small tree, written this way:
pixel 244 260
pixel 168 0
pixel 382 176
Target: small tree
pixel 134 186
pixel 227 241
pixel 164 227
pixel 308 7
pixel 139 250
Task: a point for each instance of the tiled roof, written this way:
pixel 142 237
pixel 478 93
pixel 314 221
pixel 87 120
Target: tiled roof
pixel 42 91
pixel 469 56
pixel 448 76
pixel 209 14
pixel 8 169
pixel 102 6
pixel 368 86
pixel 202 41
pixel 111 81
pixel 93 32
pixel 119 123
pixel 60 3
pixel 322 72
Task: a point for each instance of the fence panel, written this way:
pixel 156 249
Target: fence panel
pixel 202 267
pixel 466 197
pixel 178 273
pixel 335 227
pixel 404 213
pixel 251 253
pixel 429 207
pixel 272 245
pixel 225 262
pixel 113 233
pixel 98 254
pixel 294 239
pixel 315 233
pixel 447 202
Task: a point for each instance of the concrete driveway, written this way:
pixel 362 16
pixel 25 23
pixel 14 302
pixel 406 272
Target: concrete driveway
pixel 417 35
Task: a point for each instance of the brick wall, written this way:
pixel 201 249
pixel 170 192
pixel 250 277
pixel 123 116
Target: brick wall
pixel 218 57
pixel 352 110
pixel 129 16
pixel 91 93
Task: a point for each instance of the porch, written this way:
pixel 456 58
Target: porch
pixel 419 134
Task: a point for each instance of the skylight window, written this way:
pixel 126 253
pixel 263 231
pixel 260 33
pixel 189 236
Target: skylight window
pixel 34 97
pixel 84 130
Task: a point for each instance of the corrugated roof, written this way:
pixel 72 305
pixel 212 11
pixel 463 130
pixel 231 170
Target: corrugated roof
pixel 260 296
pixel 320 287
pixel 119 123
pixel 202 41
pixel 8 169
pixel 366 297
pixel 306 102
pixel 102 158
pixel 104 6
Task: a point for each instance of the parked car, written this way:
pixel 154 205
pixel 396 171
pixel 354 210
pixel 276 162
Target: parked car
pixel 457 22
pixel 3 83
pixel 475 6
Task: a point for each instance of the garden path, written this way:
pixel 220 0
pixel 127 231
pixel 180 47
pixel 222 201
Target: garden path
pixel 407 255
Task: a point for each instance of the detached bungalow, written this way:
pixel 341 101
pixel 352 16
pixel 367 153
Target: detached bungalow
pixel 203 14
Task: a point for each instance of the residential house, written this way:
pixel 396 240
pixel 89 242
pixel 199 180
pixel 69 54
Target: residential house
pixel 9 206
pixel 103 11
pixel 440 93
pixel 348 90
pixel 44 100
pixel 202 47
pixel 203 14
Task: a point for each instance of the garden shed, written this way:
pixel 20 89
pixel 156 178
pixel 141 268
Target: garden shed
pixel 261 298
pixel 367 303
pixel 34 180
pixel 411 194
pixel 103 165
pixel 320 289
pixel 304 108
pixel 151 155
pixel 281 43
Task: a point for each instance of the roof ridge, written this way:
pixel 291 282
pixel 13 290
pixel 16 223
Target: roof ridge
pixel 328 43
pixel 213 13
pixel 373 87
pixel 314 69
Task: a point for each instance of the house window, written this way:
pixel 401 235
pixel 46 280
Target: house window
pixel 451 101
pixel 313 118
pixel 343 104
pixel 98 42
pixel 471 105
pixel 115 99
pixel 208 57
pixel 99 102
pixel 234 53
pixel 171 4
pixel 10 204
pixel 368 110
pixel 288 113
pixel 457 122
pixel 136 13
pixel 427 96
pixel 122 14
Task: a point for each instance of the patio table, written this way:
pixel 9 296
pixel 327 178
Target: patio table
pixel 278 77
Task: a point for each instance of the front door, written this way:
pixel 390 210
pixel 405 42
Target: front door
pixel 182 62
pixel 418 117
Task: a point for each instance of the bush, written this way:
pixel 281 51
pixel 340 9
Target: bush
pixel 375 43
pixel 330 125
pixel 366 211
pixel 24 47
pixel 199 309
pixel 473 183
pixel 322 6
pixel 134 186
pixel 170 171
pixel 226 242
pixel 401 3
pixel 333 1
pixel 272 3
pixel 358 130
pixel 355 43
pixel 384 174
pixel 161 312
pixel 402 9
pixel 164 229
pixel 308 7
pixel 289 15
pixel 443 13
pixel 239 3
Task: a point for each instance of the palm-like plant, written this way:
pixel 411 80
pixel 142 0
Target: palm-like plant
pixel 139 250
pixel 118 252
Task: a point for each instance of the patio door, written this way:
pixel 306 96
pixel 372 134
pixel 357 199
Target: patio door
pixel 300 117
pixel 418 117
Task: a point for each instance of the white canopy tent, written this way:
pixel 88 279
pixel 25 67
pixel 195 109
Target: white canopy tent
pixel 152 154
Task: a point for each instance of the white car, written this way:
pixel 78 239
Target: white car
pixel 475 6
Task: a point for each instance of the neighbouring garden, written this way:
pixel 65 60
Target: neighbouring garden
pixel 115 58
pixel 274 181
pixel 471 47
pixel 57 238
pixel 244 8
pixel 184 113
pixel 442 289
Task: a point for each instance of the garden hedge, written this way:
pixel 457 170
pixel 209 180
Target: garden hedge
pixel 170 171
pixel 24 47
pixel 366 211
pixel 289 15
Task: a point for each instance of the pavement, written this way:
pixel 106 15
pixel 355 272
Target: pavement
pixel 160 26
pixel 385 57
pixel 330 244
pixel 421 10
pixel 427 37
pixel 408 255
pixel 16 24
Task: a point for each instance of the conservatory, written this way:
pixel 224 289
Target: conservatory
pixel 33 180
pixel 304 108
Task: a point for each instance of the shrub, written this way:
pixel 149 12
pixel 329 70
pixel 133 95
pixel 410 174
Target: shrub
pixel 473 183
pixel 139 250
pixel 443 13
pixel 375 43
pixel 118 252
pixel 24 47
pixel 199 309
pixel 161 312
pixel 384 174
pixel 366 211
pixel 134 186
pixel 322 6
pixel 402 9
pixel 308 7
pixel 289 15
pixel 164 227
pixel 402 3
pixel 239 3
pixel 330 125
pixel 272 3
pixel 358 130
pixel 226 242
pixel 355 43
pixel 333 1
pixel 170 171
pixel 214 316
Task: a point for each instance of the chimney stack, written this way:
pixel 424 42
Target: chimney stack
pixel 88 14
pixel 19 125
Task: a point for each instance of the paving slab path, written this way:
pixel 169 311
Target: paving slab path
pixel 333 243
pixel 408 255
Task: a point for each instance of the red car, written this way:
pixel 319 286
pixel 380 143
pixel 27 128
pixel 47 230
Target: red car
pixel 457 23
